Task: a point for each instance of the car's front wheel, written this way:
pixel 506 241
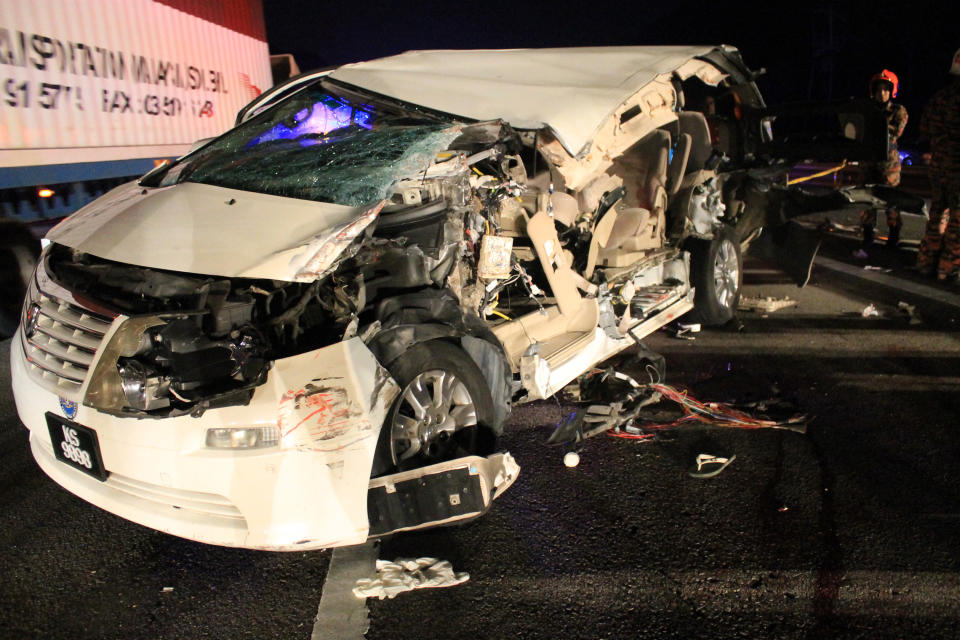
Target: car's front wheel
pixel 440 413
pixel 717 274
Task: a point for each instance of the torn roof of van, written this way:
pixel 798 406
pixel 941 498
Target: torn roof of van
pixel 571 91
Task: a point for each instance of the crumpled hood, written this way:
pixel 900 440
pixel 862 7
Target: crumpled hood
pixel 203 229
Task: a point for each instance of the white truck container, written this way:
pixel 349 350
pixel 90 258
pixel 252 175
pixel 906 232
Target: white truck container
pixel 94 93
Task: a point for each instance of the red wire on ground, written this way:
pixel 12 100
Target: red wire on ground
pixel 715 413
pixel 632 436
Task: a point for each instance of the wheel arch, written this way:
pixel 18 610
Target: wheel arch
pixel 411 319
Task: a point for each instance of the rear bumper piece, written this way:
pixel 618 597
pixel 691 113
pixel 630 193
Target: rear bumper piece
pixel 439 494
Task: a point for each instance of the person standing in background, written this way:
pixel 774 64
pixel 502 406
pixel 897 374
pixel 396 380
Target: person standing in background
pixel 883 87
pixel 940 123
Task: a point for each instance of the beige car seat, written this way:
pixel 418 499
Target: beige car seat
pixel 694 125
pixel 636 223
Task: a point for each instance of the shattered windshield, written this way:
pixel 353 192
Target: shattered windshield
pixel 324 143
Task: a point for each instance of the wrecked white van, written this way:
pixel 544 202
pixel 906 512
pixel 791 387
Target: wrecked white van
pixel 310 330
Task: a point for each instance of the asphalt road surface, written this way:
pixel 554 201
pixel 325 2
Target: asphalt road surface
pixel 850 530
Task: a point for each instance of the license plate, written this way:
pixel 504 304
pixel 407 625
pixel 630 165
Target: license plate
pixel 77 446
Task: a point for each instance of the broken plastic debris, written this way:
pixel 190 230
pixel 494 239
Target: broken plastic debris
pixel 709 465
pixel 572 391
pixel 683 330
pixel 768 304
pixel 406 574
pixel 910 310
pixel 870 310
pixel 506 474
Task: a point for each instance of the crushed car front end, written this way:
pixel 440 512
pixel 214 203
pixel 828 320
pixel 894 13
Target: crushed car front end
pixel 200 356
pixel 279 461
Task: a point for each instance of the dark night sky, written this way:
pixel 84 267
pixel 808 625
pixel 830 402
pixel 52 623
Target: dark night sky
pixel 914 39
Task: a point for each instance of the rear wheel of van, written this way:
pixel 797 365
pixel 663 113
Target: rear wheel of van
pixel 440 413
pixel 717 273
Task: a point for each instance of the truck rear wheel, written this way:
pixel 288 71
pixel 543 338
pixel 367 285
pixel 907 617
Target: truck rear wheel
pixel 19 251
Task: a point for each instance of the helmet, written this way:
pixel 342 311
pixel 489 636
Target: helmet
pixel 955 67
pixel 886 76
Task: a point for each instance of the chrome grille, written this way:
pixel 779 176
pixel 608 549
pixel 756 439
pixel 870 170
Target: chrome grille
pixel 63 343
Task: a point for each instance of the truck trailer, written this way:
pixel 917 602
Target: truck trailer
pixel 96 93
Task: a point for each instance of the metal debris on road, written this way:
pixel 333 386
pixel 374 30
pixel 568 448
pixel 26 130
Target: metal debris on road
pixel 683 330
pixel 910 310
pixel 407 574
pixel 766 305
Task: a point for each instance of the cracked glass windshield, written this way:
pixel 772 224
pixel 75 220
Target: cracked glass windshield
pixel 323 143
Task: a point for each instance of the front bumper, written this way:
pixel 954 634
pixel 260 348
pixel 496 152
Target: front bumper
pixel 309 492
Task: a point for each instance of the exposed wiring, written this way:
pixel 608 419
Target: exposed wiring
pixel 622 417
pixel 720 414
pixel 630 425
pixel 817 175
pixel 632 436
pixel 492 308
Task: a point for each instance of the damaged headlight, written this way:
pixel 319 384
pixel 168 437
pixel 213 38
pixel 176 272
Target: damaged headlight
pixel 170 366
pixel 243 437
pixel 143 388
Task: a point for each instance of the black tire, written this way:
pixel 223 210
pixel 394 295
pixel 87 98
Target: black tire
pixel 717 273
pixel 395 448
pixel 19 251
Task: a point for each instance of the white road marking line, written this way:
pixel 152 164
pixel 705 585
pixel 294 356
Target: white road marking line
pixel 341 615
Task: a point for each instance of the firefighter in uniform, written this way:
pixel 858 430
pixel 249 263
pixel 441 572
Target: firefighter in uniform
pixel 940 248
pixel 883 87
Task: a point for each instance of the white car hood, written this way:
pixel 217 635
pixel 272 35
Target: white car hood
pixel 203 229
pixel 571 91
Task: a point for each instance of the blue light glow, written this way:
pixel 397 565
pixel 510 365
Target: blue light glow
pixel 327 114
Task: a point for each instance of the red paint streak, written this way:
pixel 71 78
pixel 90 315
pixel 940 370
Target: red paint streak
pixel 297 426
pixel 317 400
pixel 323 429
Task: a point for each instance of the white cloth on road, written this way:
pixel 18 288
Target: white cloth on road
pixel 407 574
